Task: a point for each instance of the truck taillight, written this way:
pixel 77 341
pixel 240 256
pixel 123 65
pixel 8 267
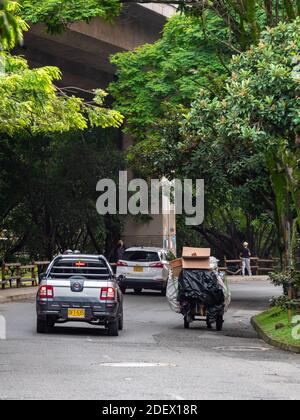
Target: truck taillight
pixel 157 265
pixel 46 292
pixel 108 293
pixel 122 264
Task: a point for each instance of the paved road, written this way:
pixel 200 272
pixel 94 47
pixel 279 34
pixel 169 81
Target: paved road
pixel 154 358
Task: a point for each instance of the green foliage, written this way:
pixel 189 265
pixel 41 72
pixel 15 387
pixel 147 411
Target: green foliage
pixel 154 79
pixel 147 93
pixel 11 25
pixel 246 19
pixel 29 101
pixel 269 319
pixel 280 302
pixel 57 15
pixel 48 194
pixel 259 111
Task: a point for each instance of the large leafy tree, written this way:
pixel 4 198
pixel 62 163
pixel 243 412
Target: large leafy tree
pixel 155 79
pixel 260 110
pixel 48 194
pixel 47 197
pixel 156 85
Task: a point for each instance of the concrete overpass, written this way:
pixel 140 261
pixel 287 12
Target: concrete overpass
pixel 82 54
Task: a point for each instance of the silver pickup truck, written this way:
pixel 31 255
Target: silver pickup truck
pixel 79 288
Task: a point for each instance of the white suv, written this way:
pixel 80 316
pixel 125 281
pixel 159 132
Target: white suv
pixel 144 268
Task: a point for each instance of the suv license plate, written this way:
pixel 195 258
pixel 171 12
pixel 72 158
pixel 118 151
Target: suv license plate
pixel 76 313
pixel 138 269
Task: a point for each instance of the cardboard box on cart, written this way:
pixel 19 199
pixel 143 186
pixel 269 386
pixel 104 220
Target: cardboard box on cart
pixel 196 258
pixel 176 266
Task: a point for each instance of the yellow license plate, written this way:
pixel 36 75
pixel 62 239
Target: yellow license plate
pixel 138 269
pixel 76 313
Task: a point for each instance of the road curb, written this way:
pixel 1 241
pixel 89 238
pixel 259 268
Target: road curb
pixel 271 341
pixel 17 298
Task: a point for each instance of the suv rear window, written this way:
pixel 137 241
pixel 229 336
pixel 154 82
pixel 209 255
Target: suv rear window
pixel 141 256
pixel 91 269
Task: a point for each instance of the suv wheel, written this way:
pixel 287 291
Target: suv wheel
pixel 113 328
pixel 138 290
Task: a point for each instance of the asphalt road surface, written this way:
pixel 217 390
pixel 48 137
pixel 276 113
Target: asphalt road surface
pixel 153 358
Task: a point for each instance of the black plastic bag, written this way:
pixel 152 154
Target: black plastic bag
pixel 200 285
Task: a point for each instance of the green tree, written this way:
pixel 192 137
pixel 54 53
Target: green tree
pixel 260 109
pixel 48 195
pixel 29 99
pixel 156 78
pixel 246 19
pixel 11 24
pixel 156 85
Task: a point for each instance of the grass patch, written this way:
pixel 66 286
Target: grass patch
pixel 269 319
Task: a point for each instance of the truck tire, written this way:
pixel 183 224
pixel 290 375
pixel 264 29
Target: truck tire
pixel 42 326
pixel 121 321
pixel 113 328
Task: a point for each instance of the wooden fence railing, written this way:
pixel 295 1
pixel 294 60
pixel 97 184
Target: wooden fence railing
pixel 16 273
pixel 259 266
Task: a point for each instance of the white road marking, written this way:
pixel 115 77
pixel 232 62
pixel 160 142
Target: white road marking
pixel 136 364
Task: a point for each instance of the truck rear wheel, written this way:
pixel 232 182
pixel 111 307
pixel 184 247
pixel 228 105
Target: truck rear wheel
pixel 121 321
pixel 113 328
pixel 41 326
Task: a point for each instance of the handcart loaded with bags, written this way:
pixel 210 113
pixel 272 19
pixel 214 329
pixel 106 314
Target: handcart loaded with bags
pixel 197 290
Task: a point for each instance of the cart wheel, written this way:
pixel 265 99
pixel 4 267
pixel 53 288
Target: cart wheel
pixel 219 323
pixel 209 326
pixel 186 323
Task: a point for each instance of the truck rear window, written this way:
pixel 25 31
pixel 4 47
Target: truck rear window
pixel 141 256
pixel 91 269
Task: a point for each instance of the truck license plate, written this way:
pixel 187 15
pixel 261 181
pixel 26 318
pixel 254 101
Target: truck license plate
pixel 76 313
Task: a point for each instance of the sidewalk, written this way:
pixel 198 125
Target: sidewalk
pixel 246 279
pixel 14 294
